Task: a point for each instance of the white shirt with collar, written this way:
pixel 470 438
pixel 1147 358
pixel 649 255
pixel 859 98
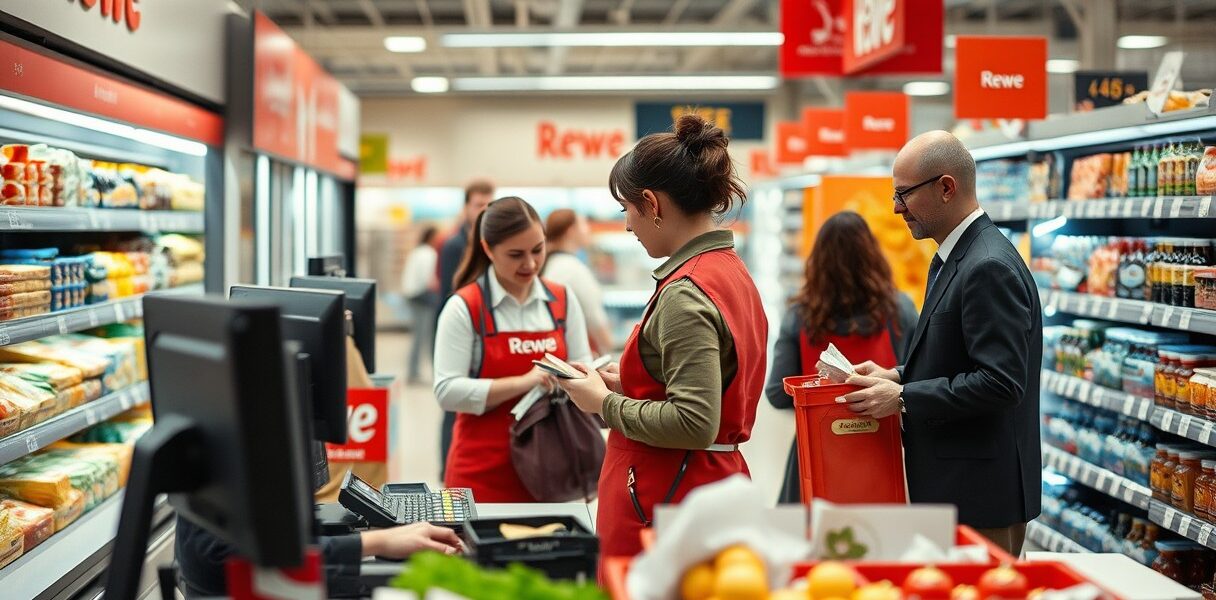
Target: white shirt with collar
pixel 457 345
pixel 951 240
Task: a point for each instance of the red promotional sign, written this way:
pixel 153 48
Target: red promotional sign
pixel 824 131
pixel 791 143
pixel 367 428
pixel 815 38
pixel 761 164
pixel 1000 78
pixel 876 120
pixel 873 32
pixel 569 143
pixel 295 102
pixel 31 74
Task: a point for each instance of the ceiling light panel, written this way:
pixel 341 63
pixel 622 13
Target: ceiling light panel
pixel 615 83
pixel 611 38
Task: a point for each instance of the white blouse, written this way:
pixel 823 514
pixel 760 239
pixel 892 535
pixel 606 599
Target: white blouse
pixel 456 344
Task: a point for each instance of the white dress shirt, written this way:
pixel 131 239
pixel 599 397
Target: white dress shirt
pixel 419 270
pixel 951 240
pixel 568 270
pixel 457 345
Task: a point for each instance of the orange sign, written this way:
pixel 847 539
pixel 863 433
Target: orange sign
pixel 1000 78
pixel 876 120
pixel 366 427
pixel 791 143
pixel 824 131
pixel 874 32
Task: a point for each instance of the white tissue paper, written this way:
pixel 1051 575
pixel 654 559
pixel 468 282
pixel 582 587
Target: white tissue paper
pixel 710 519
pixel 922 533
pixel 836 366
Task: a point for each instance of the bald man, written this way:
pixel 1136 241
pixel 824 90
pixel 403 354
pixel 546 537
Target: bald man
pixel 969 386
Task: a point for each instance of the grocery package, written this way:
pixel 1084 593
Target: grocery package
pixel 22 273
pixel 1002 180
pixel 46 350
pixel 185 255
pixel 35 522
pixel 1090 176
pixel 1170 271
pixel 1205 173
pixel 1177 100
pixel 38 399
pixel 12 540
pixel 44 489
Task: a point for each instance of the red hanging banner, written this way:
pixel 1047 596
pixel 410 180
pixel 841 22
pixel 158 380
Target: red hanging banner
pixel 815 39
pixel 1000 77
pixel 824 131
pixel 876 120
pixel 873 32
pixel 791 143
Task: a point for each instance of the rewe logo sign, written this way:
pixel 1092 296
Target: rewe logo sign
pixel 876 120
pixel 825 131
pixel 367 421
pixel 116 9
pixel 518 346
pixel 552 142
pixel 874 32
pixel 1000 77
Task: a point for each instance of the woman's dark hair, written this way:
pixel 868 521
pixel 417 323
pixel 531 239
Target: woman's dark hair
pixel 559 222
pixel 846 274
pixel 502 219
pixel 428 235
pixel 691 165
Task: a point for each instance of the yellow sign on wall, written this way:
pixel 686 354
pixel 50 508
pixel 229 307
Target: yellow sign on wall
pixel 373 153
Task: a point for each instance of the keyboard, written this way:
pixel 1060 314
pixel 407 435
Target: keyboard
pixel 446 506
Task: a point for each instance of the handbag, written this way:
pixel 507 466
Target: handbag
pixel 557 450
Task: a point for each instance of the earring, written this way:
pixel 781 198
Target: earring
pixel 658 222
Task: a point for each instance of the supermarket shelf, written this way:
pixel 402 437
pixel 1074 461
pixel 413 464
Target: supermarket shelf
pixel 1193 428
pixel 100 219
pixel 1052 540
pixel 39 572
pixel 1097 478
pixel 1160 207
pixel 1182 523
pixel 1007 210
pixel 1092 394
pixel 79 319
pixel 69 423
pixel 1124 310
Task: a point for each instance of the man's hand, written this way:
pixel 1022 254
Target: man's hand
pixel 400 542
pixel 879 399
pixel 870 369
pixel 588 394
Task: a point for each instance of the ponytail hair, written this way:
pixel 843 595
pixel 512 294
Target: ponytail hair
pixel 501 220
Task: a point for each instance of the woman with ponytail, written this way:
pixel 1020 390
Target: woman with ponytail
pixel 684 395
pixel 501 318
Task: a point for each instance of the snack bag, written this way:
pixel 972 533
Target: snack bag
pixel 35 522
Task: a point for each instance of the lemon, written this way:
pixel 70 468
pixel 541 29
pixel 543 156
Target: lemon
pixel 735 555
pixel 698 583
pixel 831 580
pixel 741 581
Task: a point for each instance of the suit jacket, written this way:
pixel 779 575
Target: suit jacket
pixel 971 385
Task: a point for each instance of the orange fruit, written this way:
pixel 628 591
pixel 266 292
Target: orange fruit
pixel 831 580
pixel 698 583
pixel 741 581
pixel 735 555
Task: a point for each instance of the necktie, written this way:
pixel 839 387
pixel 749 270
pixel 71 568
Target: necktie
pixel 935 268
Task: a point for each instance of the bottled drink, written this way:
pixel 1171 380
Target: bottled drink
pixel 1133 173
pixel 1165 172
pixel 1131 272
pixel 1150 168
pixel 1193 158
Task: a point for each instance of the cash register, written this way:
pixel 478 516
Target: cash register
pixel 402 504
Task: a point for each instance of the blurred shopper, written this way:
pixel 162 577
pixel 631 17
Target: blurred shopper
pixel 477 195
pixel 568 233
pixel 684 395
pixel 501 318
pixel 848 299
pixel 420 286
pixel 970 381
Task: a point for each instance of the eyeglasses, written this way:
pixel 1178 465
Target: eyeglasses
pixel 901 196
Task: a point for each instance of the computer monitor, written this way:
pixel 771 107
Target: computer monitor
pixel 360 301
pixel 316 319
pixel 227 445
pixel 327 266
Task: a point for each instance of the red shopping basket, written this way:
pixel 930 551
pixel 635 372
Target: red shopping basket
pixel 844 457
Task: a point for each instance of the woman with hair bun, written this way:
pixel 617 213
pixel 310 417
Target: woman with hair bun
pixel 685 392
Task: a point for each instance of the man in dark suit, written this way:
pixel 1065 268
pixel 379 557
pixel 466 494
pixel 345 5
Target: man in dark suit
pixel 969 386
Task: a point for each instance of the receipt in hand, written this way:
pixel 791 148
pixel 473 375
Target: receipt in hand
pixel 836 366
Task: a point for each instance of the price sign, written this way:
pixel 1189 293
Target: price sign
pixel 120 316
pixel 1112 310
pixel 93 224
pixel 1143 413
pixel 1176 208
pixel 1129 207
pixel 1096 89
pixel 1053 301
pixel 1085 392
pixel 137 309
pixel 1082 305
pixel 1157 208
pixel 1146 315
pixel 1184 322
pixel 1146 208
pixel 125 400
pixel 1129 404
pixel 1205 435
pixel 1165 318
pixel 31 442
pixel 63 324
pixel 1167 419
pixel 1128 494
pixel 94 320
pixel 1184 424
pixel 1205 534
pixel 1103 481
pixel 1205 206
pixel 1171 515
pixel 90 416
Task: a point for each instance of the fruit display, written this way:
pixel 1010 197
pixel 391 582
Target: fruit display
pixel 40 175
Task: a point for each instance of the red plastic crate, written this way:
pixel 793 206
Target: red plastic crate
pixel 833 440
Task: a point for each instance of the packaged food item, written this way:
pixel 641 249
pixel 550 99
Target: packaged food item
pixel 46 350
pixel 44 489
pixel 13 172
pixel 38 402
pixel 11 273
pixel 68 510
pixel 12 540
pixel 35 522
pixel 12 194
pixel 25 299
pixel 22 287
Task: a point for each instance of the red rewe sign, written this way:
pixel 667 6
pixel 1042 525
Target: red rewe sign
pixel 115 9
pixel 824 130
pixel 791 143
pixel 815 38
pixel 366 428
pixel 874 32
pixel 1000 77
pixel 552 142
pixel 876 120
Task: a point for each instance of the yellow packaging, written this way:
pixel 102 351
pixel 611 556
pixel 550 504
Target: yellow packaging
pixel 69 510
pixel 43 489
pixel 12 541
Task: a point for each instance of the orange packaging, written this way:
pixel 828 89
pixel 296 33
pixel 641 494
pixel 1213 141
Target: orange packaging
pixel 35 522
pixel 833 442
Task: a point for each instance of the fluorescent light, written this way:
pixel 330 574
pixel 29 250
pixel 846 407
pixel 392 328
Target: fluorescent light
pixel 1047 227
pixel 1063 65
pixel 404 43
pixel 926 88
pixel 613 38
pixel 429 85
pixel 170 142
pixel 1096 138
pixel 615 83
pixel 1142 42
pixel 152 138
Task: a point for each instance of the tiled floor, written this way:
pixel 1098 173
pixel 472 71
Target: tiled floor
pixel 415 451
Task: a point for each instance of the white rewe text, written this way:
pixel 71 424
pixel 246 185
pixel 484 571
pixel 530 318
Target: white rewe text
pixel 1001 81
pixel 518 346
pixel 869 123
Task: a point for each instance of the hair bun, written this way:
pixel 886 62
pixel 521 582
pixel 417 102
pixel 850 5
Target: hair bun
pixel 696 133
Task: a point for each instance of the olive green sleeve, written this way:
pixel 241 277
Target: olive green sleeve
pixel 692 339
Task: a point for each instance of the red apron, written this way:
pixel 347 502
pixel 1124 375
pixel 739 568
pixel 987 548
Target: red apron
pixel 876 347
pixel 480 458
pixel 637 476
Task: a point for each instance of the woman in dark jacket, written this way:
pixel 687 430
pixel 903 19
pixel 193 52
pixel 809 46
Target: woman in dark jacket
pixel 848 299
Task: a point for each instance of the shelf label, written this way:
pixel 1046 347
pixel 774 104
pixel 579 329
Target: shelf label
pixel 93 224
pixel 1104 482
pixel 1169 314
pixel 1146 208
pixel 1157 206
pixel 1112 311
pixel 1205 533
pixel 125 400
pixel 1085 391
pixel 1143 413
pixel 137 309
pixel 1082 305
pixel 1129 207
pixel 1128 494
pixel 31 442
pixel 1146 314
pixel 1205 434
pixel 90 416
pixel 4 338
pixel 1167 419
pixel 63 324
pixel 1184 321
pixel 1073 384
pixel 1176 208
pixel 1184 424
pixel 1129 404
pixel 119 315
pixel 94 320
pixel 1205 205
pixel 1170 516
pixel 1053 300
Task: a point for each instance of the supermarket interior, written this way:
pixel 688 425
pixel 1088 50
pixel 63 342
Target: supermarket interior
pixel 798 299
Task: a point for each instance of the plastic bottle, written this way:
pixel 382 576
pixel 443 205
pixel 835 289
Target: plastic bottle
pixel 1152 163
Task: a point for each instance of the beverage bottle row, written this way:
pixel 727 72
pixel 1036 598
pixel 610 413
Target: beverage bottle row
pixel 1163 169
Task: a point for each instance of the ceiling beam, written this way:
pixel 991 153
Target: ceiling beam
pixel 477 14
pixel 372 13
pixel 569 13
pixel 732 13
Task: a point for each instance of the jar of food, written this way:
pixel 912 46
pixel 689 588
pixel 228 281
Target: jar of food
pixel 1169 559
pixel 1202 503
pixel 1205 288
pixel 1182 494
pixel 1172 460
pixel 1156 471
pixel 1164 377
pixel 1207 389
pixel 1198 391
pixel 1192 358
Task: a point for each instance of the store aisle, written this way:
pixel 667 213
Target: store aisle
pixel 416 448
